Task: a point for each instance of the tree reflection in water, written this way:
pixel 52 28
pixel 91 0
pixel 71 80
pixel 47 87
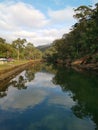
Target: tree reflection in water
pixel 20 81
pixel 85 91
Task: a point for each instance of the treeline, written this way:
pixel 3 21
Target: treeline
pixel 81 41
pixel 19 49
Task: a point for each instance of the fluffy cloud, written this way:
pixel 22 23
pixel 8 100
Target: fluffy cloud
pixel 65 15
pixel 94 1
pixel 24 21
pixel 20 15
pixel 45 36
pixel 41 37
pixel 25 34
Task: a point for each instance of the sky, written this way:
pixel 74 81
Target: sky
pixel 38 21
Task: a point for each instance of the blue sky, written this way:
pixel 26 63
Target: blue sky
pixel 39 21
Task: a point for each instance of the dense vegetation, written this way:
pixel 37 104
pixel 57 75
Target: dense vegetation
pixel 81 41
pixel 19 49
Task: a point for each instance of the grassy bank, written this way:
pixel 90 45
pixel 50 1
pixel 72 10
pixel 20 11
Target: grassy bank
pixel 8 70
pixel 9 65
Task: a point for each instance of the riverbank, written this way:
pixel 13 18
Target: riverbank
pixel 87 63
pixel 9 65
pixel 10 70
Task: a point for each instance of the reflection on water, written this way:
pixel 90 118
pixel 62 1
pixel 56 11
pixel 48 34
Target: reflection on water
pixel 49 98
pixel 85 92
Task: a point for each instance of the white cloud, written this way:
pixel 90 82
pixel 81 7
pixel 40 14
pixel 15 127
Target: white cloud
pixel 94 1
pixel 24 21
pixel 41 37
pixel 46 36
pixel 20 15
pixel 24 34
pixel 64 15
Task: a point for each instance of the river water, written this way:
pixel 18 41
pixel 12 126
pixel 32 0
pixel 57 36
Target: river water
pixel 45 97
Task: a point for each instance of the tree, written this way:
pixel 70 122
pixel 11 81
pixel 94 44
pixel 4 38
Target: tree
pixel 18 44
pixel 6 49
pixel 29 49
pixel 2 40
pixel 82 40
pixel 83 13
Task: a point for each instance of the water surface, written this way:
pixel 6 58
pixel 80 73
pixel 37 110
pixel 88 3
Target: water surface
pixel 49 98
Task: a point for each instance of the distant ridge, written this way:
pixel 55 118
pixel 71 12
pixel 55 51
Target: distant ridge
pixel 43 47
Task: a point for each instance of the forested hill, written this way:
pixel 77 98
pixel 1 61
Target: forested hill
pixel 43 47
pixel 81 42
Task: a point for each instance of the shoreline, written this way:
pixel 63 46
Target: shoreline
pixel 11 72
pixel 80 65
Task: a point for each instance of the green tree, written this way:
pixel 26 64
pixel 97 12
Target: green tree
pixel 18 44
pixel 82 40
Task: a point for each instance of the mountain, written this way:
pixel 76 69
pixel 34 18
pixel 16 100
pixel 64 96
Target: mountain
pixel 43 47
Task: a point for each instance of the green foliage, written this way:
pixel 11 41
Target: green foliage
pixel 50 54
pixel 19 49
pixel 82 40
pixel 6 50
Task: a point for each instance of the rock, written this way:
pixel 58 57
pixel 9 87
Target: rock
pixel 83 60
pixel 77 62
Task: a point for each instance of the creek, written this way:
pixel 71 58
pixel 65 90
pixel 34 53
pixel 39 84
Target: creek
pixel 47 97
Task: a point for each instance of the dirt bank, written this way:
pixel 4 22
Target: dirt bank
pixel 11 72
pixel 85 64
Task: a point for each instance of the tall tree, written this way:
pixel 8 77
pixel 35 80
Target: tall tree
pixel 19 45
